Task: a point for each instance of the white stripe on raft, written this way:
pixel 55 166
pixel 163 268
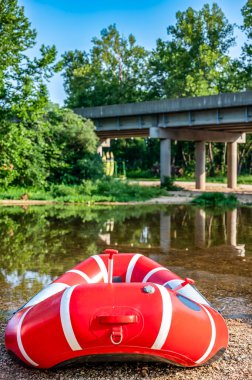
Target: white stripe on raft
pixel 19 340
pixel 166 318
pixel 96 278
pixel 131 266
pixel 102 267
pixel 151 272
pixel 66 319
pixel 212 340
pixel 80 273
pixel 47 292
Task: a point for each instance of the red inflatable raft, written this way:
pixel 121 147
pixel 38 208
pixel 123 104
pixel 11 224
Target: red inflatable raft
pixel 119 307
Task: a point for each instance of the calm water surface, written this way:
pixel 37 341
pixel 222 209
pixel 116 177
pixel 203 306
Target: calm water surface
pixel 214 247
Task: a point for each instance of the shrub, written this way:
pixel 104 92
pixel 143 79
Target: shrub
pixel 216 200
pixel 168 184
pixel 59 191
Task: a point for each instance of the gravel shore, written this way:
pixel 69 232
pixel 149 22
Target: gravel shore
pixel 235 364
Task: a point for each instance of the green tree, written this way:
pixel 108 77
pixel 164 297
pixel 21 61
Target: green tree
pixel 23 96
pixel 194 61
pixel 247 48
pixel 23 89
pixel 60 147
pixel 22 157
pixel 247 28
pixel 69 146
pixel 113 71
pixel 242 73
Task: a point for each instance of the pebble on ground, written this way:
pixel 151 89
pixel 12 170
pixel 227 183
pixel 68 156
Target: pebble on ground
pixel 236 364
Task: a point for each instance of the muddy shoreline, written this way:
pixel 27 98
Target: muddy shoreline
pixel 235 364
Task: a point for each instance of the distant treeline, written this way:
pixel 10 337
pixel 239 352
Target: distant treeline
pixel 41 143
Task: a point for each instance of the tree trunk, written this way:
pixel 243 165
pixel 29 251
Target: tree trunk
pixel 223 161
pixel 243 150
pixel 211 159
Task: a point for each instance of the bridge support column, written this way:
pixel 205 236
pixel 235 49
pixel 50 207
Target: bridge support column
pixel 200 152
pixel 165 159
pixel 232 165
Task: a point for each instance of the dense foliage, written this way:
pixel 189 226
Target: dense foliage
pixel 195 60
pixel 69 147
pixel 43 145
pixel 247 48
pixel 113 71
pixel 23 89
pixel 39 142
pixel 60 147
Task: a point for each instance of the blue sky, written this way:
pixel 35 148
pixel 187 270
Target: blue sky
pixel 71 24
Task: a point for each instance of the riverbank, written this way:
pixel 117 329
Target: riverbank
pixel 235 364
pixel 102 190
pixel 174 197
pixel 114 192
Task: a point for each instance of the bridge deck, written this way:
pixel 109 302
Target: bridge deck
pixel 223 113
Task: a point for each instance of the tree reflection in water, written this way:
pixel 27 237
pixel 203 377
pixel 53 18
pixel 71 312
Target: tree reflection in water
pixel 40 243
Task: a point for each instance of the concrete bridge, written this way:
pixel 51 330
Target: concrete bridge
pixel 217 118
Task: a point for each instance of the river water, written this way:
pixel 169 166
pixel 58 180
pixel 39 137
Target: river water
pixel 214 247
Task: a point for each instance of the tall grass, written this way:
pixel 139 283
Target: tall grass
pixel 110 190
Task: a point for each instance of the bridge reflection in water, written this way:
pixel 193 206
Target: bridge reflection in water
pixel 39 244
pixel 199 235
pixel 230 231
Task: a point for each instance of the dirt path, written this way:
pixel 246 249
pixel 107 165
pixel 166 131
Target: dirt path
pixel 219 187
pixel 188 192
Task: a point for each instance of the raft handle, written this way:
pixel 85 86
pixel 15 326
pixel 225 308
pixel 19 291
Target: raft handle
pixel 117 319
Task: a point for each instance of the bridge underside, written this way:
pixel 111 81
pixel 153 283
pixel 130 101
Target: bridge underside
pixel 122 134
pixel 179 134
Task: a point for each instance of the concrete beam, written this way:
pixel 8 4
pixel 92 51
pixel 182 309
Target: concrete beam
pixel 230 100
pixel 200 156
pixel 182 134
pixel 224 120
pixel 232 165
pixel 165 159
